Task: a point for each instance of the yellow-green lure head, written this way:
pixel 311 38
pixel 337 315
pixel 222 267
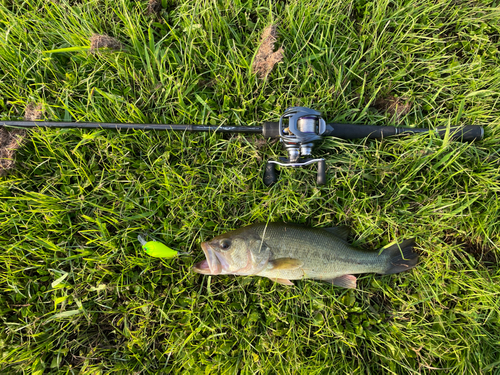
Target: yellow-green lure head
pixel 157 249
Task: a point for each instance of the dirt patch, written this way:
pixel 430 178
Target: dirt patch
pixel 207 83
pixel 10 141
pixel 266 58
pixel 483 253
pixel 153 8
pixel 33 112
pixel 395 107
pixel 104 41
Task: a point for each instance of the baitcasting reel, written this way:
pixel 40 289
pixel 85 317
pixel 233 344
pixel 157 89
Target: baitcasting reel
pixel 298 129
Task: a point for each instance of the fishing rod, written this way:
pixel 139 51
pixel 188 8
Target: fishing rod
pixel 298 129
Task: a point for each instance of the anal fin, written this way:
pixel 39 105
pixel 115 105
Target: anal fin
pixel 345 281
pixel 282 281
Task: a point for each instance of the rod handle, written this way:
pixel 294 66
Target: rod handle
pixel 466 133
pixel 355 131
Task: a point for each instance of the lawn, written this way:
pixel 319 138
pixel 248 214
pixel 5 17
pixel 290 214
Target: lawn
pixel 79 295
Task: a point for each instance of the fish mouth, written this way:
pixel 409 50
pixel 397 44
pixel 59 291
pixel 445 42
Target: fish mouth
pixel 211 265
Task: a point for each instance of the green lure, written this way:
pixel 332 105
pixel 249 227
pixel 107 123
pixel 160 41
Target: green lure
pixel 157 249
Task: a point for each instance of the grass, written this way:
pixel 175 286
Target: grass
pixel 78 295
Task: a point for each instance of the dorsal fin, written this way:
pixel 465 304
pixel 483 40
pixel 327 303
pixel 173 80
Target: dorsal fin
pixel 285 264
pixel 341 232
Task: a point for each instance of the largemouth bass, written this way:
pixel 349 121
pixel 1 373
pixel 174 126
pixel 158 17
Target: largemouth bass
pixel 285 252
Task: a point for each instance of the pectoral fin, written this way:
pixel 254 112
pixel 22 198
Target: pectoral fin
pixel 345 281
pixel 285 264
pixel 282 281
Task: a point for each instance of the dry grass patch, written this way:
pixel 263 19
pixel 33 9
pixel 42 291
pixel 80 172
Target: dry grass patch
pixel 266 57
pixel 33 112
pixel 10 141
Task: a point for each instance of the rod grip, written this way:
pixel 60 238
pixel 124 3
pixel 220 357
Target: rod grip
pixel 354 131
pixel 466 133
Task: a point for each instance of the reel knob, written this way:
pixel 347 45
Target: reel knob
pixel 270 176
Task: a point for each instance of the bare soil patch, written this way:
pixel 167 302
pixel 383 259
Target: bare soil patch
pixel 395 107
pixel 98 41
pixel 153 8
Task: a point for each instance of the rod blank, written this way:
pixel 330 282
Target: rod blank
pixel 116 126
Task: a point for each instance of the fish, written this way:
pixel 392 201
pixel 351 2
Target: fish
pixel 285 252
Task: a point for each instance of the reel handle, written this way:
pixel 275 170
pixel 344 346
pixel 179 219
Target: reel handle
pixel 321 178
pixel 270 176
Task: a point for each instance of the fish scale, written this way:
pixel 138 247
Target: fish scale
pixel 325 255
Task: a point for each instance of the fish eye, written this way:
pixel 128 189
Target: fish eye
pixel 225 244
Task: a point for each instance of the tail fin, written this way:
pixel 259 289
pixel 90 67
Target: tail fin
pixel 401 257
